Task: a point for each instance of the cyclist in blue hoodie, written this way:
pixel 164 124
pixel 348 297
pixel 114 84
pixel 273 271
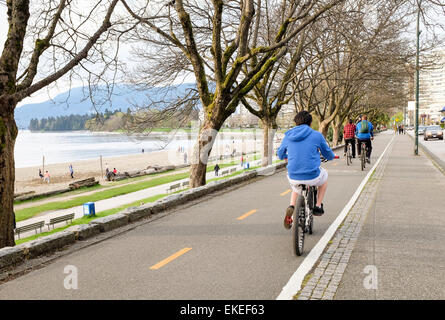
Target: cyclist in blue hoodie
pixel 301 148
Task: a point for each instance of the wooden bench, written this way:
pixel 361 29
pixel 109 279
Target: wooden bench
pixel 66 218
pixel 173 187
pixel 28 227
pixel 224 172
pixel 185 184
pixel 232 170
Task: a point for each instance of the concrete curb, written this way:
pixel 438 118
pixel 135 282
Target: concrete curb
pixel 436 159
pixel 13 256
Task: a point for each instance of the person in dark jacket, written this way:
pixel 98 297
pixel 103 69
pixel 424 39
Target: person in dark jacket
pixel 216 168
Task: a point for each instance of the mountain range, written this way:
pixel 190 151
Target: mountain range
pixel 77 101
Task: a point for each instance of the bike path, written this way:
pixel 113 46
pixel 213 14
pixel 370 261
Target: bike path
pixel 403 237
pixel 220 248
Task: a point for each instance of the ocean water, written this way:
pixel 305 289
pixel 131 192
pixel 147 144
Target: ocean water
pixel 59 147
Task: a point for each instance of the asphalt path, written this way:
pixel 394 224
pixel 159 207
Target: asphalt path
pixel 229 246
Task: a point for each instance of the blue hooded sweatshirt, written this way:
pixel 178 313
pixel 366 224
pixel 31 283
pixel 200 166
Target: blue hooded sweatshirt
pixel 301 147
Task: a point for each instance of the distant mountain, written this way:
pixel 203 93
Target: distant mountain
pixel 76 101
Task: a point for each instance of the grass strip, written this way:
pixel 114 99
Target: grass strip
pixel 30 212
pixel 87 219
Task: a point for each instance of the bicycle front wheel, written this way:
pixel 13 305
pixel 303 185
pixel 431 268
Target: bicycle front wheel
pixel 298 226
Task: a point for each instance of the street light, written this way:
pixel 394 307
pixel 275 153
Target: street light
pixel 416 146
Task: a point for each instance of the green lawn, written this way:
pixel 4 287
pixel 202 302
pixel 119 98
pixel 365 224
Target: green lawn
pixel 30 212
pixel 87 219
pixel 27 213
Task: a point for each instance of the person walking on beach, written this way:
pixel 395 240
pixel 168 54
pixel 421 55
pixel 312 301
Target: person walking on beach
pixel 216 169
pixel 46 176
pixel 71 171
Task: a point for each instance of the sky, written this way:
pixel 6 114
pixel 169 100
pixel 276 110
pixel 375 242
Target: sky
pixel 45 94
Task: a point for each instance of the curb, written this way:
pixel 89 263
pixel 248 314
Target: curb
pixel 435 158
pixel 14 256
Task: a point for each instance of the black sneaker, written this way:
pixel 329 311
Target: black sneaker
pixel 288 217
pixel 318 211
pixel 368 160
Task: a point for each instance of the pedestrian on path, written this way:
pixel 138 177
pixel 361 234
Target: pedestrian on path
pixel 216 169
pixel 185 157
pixel 71 171
pixel 46 177
pixel 40 174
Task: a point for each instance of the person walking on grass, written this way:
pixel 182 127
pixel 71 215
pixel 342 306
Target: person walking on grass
pixel 71 171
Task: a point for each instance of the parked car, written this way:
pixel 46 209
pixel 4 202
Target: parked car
pixel 433 132
pixel 422 130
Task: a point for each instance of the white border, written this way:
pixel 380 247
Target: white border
pixel 294 283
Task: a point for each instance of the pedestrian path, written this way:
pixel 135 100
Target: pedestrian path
pixel 392 243
pixel 117 201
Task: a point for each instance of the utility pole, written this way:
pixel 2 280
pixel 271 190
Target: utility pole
pixel 416 146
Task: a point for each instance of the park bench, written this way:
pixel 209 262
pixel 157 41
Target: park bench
pixel 224 172
pixel 28 227
pixel 232 170
pixel 173 187
pixel 53 221
pixel 185 184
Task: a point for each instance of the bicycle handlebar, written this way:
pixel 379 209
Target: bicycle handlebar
pixel 323 159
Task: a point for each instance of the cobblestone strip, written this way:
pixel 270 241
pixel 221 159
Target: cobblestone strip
pixel 323 281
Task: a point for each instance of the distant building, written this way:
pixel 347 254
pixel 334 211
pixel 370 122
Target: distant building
pixel 432 90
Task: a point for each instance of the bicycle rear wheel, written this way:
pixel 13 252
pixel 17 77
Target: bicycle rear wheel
pixel 363 156
pixel 298 226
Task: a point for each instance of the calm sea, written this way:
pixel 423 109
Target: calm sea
pixel 59 147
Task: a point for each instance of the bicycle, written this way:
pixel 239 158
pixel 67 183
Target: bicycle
pixel 364 152
pixel 303 215
pixel 349 154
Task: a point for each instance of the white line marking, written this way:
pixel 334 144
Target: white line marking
pixel 294 283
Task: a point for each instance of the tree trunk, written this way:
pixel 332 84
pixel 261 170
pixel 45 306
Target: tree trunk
pixel 269 128
pixel 201 152
pixel 8 134
pixel 323 128
pixel 336 135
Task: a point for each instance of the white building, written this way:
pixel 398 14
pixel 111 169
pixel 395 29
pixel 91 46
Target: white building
pixel 432 90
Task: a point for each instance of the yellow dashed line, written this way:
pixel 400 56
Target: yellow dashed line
pixel 247 214
pixel 171 258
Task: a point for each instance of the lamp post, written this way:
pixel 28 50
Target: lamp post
pixel 416 146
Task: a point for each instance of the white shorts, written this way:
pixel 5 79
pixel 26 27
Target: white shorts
pixel 318 181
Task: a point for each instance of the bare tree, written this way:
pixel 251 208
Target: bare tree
pixel 59 35
pixel 210 39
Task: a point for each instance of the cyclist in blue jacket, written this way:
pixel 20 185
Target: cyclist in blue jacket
pixel 301 148
pixel 365 133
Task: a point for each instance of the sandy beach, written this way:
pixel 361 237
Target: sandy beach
pixel 27 179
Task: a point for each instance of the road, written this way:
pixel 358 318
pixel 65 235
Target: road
pixel 231 246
